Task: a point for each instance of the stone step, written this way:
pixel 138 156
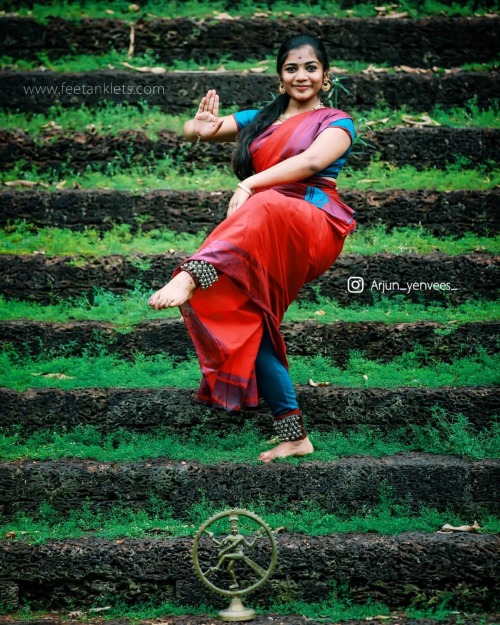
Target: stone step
pixel 393 41
pixel 395 618
pixel 420 277
pixel 419 147
pixel 443 213
pixel 375 340
pixel 180 92
pixel 353 484
pixel 396 570
pixel 326 409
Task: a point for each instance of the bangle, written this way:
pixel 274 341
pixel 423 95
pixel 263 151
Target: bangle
pixel 245 188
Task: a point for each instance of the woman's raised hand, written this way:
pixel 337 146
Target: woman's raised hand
pixel 206 122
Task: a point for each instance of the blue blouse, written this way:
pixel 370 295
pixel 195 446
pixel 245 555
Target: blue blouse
pixel 243 118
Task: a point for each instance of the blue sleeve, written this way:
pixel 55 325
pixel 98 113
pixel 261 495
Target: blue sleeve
pixel 346 124
pixel 243 118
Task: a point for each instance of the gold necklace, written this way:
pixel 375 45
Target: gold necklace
pixel 283 117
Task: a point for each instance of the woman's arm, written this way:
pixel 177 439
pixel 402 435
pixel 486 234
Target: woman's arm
pixel 331 144
pixel 207 125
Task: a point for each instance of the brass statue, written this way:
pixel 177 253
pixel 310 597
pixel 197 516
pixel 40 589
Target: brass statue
pixel 232 553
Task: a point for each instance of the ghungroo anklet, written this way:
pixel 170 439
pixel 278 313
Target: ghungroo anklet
pixel 290 426
pixel 203 273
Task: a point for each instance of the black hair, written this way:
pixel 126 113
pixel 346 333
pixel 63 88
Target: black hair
pixel 242 160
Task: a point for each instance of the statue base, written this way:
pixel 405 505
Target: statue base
pixel 237 612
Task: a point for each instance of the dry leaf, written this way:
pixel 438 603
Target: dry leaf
pixel 76 614
pixel 39 252
pixel 20 183
pixel 10 535
pixel 133 7
pixel 108 607
pixel 397 15
pixel 56 376
pixel 224 16
pixel 421 120
pixel 377 121
pixel 320 313
pixel 461 528
pixel 371 69
pixel 369 180
pixel 146 69
pixel 318 384
pixel 61 184
pixel 109 11
pixel 257 70
pixel 131 46
pixel 365 377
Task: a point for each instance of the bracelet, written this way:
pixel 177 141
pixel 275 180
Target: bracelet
pixel 245 188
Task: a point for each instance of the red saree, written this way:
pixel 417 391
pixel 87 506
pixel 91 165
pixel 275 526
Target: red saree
pixel 265 252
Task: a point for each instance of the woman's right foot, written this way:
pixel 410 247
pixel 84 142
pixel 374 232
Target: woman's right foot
pixel 175 293
pixel 290 448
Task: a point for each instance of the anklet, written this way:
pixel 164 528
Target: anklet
pixel 290 426
pixel 204 274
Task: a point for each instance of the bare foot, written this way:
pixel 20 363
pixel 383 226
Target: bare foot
pixel 175 293
pixel 290 448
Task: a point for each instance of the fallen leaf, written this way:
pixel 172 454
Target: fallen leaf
pixel 365 377
pixel 20 183
pixel 377 121
pixel 76 614
pixel 318 384
pixel 397 15
pixel 39 252
pixel 10 535
pixel 371 69
pixel 461 528
pixel 257 70
pixel 56 376
pixel 146 68
pixel 134 7
pixel 224 16
pixel 421 120
pixel 108 607
pixel 61 184
pixel 109 11
pixel 320 313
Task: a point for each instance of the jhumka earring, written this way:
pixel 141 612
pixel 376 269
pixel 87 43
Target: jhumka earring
pixel 281 88
pixel 327 85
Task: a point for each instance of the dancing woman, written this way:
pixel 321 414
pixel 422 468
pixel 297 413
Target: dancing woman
pixel 285 226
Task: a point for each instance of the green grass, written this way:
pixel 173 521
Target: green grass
pixel 127 310
pixel 119 60
pixel 110 119
pixel 121 9
pixel 123 175
pixel 118 522
pixel 443 434
pixel 22 238
pixel 97 368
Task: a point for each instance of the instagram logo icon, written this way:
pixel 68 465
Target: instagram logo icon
pixel 355 284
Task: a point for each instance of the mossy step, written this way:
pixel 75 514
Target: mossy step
pixel 178 92
pixel 458 278
pixel 376 340
pixel 393 41
pixel 267 618
pixel 440 212
pixel 353 484
pixel 419 147
pixel 327 409
pixel 397 570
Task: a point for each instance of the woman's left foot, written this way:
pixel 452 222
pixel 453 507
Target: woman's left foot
pixel 286 449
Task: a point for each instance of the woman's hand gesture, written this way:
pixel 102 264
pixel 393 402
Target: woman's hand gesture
pixel 206 122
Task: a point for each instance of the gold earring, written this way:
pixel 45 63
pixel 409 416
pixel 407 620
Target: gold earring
pixel 327 85
pixel 281 88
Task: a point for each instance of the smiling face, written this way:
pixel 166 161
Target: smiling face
pixel 302 75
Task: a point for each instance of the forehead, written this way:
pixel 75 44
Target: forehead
pixel 301 55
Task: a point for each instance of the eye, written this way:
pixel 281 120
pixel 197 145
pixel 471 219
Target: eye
pixel 291 69
pixel 312 68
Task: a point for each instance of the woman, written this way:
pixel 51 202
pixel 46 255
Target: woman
pixel 285 226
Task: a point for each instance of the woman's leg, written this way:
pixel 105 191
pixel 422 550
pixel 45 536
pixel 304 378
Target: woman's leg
pixel 275 386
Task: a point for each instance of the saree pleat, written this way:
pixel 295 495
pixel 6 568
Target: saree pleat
pixel 265 252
